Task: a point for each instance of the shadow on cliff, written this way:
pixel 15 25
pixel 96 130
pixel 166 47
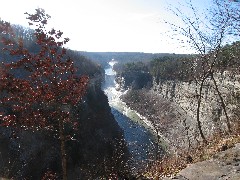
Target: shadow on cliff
pixel 97 149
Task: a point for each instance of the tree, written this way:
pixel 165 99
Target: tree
pixel 206 34
pixel 42 97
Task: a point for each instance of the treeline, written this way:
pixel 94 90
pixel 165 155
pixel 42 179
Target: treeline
pixel 141 74
pixel 124 57
pixel 179 67
pixel 83 64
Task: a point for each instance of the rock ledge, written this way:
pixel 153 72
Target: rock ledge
pixel 224 165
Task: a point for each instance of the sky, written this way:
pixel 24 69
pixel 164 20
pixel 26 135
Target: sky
pixel 106 25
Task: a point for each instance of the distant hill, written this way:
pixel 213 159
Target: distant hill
pixel 124 57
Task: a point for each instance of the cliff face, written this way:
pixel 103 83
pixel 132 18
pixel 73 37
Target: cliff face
pixel 183 96
pixel 171 106
pixel 97 147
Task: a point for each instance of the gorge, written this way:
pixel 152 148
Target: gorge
pixel 137 134
pixel 70 114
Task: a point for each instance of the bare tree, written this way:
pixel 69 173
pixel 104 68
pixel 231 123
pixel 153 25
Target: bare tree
pixel 206 33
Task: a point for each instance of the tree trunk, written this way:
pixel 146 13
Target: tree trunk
pixel 63 150
pixel 198 111
pixel 222 103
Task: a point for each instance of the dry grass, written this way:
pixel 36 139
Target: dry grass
pixel 170 166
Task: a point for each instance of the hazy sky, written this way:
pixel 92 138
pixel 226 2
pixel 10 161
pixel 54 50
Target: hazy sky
pixel 106 25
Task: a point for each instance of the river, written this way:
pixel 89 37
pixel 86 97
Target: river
pixel 138 137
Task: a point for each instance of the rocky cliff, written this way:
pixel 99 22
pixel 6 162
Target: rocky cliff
pixel 171 106
pixel 183 96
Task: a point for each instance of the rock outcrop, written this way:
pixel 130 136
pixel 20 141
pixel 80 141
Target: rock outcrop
pixel 224 165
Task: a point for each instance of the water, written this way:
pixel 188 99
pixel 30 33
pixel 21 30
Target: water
pixel 138 137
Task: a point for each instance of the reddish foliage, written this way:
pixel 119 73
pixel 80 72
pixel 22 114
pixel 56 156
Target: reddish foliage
pixel 49 175
pixel 37 100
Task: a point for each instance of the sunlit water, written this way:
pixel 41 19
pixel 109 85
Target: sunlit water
pixel 139 139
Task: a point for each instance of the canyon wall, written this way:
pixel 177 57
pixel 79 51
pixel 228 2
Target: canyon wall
pixel 171 107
